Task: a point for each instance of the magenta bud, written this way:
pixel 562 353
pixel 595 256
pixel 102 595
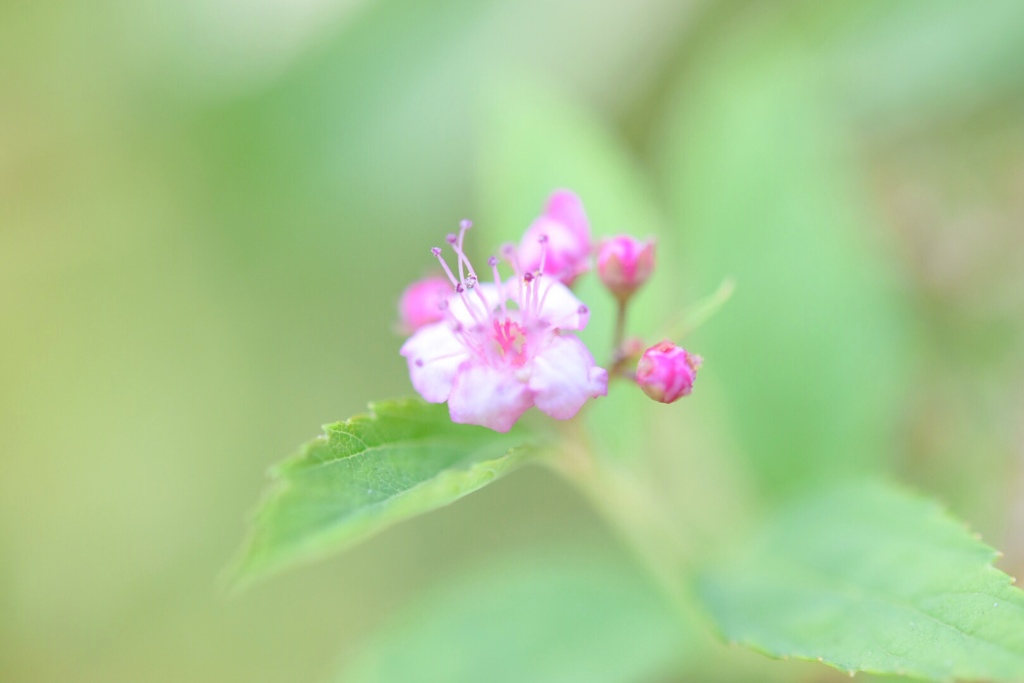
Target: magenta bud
pixel 624 263
pixel 422 303
pixel 666 372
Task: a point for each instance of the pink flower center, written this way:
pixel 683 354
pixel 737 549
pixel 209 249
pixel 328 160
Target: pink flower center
pixel 498 333
pixel 510 340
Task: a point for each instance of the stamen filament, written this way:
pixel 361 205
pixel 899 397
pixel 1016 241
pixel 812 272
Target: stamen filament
pixel 544 298
pixel 509 252
pixel 493 263
pixel 459 331
pixel 436 251
pixel 483 300
pixel 527 298
pixel 470 307
pixel 443 356
pixel 464 225
pixel 543 252
pixel 536 297
pixel 468 342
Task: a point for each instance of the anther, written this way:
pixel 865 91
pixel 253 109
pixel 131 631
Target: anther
pixel 451 238
pixel 459 288
pixel 436 251
pixel 492 262
pixel 465 224
pixel 528 277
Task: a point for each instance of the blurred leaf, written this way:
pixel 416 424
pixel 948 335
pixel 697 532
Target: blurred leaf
pixel 536 139
pixel 403 459
pixel 552 621
pixel 808 353
pixel 926 60
pixel 868 578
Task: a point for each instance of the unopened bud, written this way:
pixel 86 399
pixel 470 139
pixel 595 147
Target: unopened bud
pixel 624 263
pixel 421 303
pixel 666 372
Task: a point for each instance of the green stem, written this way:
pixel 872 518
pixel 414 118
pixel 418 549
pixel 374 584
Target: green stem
pixel 620 328
pixel 631 509
pixel 620 354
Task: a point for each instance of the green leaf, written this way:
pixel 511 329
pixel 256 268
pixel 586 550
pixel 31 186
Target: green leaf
pixel 543 620
pixel 404 458
pixel 922 61
pixel 869 578
pixel 810 352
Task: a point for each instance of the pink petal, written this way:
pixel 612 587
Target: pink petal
pixel 421 302
pixel 566 208
pixel 564 377
pixel 567 229
pixel 567 254
pixel 434 355
pixel 487 396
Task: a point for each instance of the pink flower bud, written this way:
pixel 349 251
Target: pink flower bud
pixel 422 303
pixel 666 372
pixel 624 263
pixel 558 242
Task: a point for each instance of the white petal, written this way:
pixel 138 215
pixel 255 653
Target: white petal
pixel 560 307
pixel 434 354
pixel 564 377
pixel 487 396
pixel 468 304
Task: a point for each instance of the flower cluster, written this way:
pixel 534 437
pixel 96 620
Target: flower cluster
pixel 494 349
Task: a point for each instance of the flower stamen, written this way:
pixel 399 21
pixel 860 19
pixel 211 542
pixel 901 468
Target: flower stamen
pixel 543 253
pixel 493 263
pixel 456 243
pixel 436 251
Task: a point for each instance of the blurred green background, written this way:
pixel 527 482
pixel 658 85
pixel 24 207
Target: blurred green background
pixel 208 209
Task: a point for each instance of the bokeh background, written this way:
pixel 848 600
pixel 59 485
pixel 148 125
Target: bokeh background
pixel 208 209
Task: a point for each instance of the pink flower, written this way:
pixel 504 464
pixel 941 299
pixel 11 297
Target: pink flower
pixel 567 229
pixel 421 303
pixel 624 263
pixel 502 348
pixel 666 372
